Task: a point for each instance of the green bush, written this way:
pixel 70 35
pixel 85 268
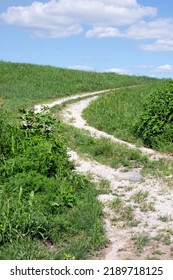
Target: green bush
pixel 155 125
pixel 37 180
pixel 41 197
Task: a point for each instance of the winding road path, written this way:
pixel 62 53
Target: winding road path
pixel 147 200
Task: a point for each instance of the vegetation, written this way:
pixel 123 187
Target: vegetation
pixel 42 200
pixel 48 211
pixel 23 85
pixel 102 149
pixel 155 125
pixel 114 154
pixel 124 115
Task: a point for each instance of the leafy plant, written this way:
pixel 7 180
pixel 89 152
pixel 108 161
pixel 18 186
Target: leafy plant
pixel 39 190
pixel 155 125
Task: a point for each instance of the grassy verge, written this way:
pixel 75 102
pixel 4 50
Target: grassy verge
pixel 115 155
pixel 47 211
pixel 103 150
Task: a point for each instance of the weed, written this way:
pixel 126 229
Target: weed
pixel 124 214
pixel 140 196
pixel 164 219
pixel 147 206
pixel 171 251
pixel 104 186
pixel 141 241
pixel 151 258
pixel 164 238
pixel 157 252
pixel 116 204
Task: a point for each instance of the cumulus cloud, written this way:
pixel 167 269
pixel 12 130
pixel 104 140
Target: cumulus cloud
pixel 44 19
pixel 153 69
pixel 59 18
pixel 144 66
pixel 160 30
pixel 81 67
pixel 151 30
pixel 160 45
pixel 166 68
pixel 118 71
pixel 97 18
pixel 103 32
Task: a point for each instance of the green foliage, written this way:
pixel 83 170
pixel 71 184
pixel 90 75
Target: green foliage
pixel 39 190
pixel 10 136
pixel 155 125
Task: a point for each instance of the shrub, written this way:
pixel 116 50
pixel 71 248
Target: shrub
pixel 155 125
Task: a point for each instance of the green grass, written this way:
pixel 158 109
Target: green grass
pixel 140 196
pixel 141 241
pixel 117 113
pixel 114 154
pixel 42 199
pixel 102 149
pixel 23 85
pixel 38 207
pixel 124 216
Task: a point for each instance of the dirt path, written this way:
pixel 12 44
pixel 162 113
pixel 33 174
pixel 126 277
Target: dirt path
pixel 138 214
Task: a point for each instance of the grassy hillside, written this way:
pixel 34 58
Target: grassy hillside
pixel 22 85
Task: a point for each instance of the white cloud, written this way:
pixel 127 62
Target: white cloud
pixel 144 66
pixel 156 70
pixel 81 67
pixel 159 30
pixel 159 45
pixel 103 32
pixel 103 19
pixel 59 18
pixel 151 30
pixel 44 18
pixel 166 68
pixel 119 71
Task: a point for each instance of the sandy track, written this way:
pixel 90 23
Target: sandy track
pixel 152 217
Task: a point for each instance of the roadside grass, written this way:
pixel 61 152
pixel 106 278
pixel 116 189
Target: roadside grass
pixel 116 155
pixel 117 113
pixel 102 149
pixel 42 199
pixel 23 85
pixel 76 232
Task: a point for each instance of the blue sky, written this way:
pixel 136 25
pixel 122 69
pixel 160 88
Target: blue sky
pixel 123 36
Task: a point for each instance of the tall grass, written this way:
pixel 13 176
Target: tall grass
pixel 42 200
